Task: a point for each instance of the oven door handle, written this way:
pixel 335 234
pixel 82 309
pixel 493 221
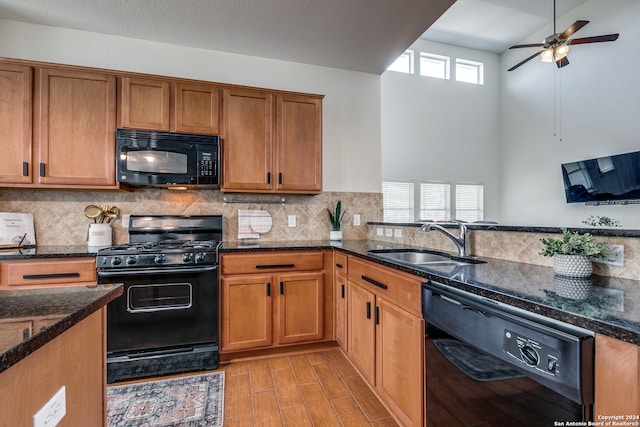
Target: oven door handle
pixel 147 271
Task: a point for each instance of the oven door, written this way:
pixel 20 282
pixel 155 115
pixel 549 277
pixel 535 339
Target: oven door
pixel 162 309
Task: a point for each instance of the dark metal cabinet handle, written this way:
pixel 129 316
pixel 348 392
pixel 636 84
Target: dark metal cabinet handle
pixel 339 265
pixel 268 177
pixel 376 315
pixel 374 282
pixel 268 266
pixel 368 310
pixel 342 291
pixel 49 276
pixel 280 178
pixel 268 289
pixel 41 169
pixel 281 288
pixel 25 334
pixel 25 168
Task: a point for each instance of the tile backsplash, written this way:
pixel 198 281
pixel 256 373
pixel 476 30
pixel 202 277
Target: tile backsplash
pixel 59 218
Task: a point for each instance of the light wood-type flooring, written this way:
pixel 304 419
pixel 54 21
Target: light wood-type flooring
pixel 308 389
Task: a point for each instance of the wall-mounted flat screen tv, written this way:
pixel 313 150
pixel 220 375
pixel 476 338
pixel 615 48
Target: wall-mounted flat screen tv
pixel 607 180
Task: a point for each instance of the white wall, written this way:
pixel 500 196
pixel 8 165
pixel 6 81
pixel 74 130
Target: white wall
pixel 597 113
pixel 443 130
pixel 351 120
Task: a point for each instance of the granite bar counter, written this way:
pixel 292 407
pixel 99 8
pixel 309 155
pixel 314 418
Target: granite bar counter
pixel 606 305
pixel 40 315
pixel 47 251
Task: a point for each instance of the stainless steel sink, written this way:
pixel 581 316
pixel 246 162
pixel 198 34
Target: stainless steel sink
pixel 422 257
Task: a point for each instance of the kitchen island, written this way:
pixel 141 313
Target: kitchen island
pixel 52 340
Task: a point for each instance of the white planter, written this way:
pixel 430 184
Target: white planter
pixel 335 235
pixel 572 265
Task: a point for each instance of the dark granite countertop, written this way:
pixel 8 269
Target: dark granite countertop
pixel 61 307
pixel 606 305
pixel 48 251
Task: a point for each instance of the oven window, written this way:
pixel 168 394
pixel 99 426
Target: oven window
pixel 157 161
pixel 170 296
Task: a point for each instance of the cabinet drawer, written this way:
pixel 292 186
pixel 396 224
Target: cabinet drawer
pixel 393 286
pixel 341 263
pixel 268 262
pixel 39 273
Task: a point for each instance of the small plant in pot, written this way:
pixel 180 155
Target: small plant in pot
pixel 571 253
pixel 335 218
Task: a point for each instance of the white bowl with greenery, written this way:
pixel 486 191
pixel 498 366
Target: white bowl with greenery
pixel 572 253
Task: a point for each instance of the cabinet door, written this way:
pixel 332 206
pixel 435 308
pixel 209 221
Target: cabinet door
pixel 247 164
pixel 399 361
pixel 15 122
pixel 617 377
pixel 75 127
pixel 361 330
pixel 195 109
pixel 246 312
pixel 144 104
pixel 298 144
pixel 341 310
pixel 300 307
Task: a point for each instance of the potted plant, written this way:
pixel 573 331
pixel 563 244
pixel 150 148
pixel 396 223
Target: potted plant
pixel 335 218
pixel 571 253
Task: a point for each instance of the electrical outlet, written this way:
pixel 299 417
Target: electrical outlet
pixel 616 257
pixel 292 221
pixel 53 411
pixel 125 220
pixel 379 231
pixel 356 220
pixel 397 232
pixel 388 232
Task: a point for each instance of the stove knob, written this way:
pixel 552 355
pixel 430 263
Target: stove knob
pixel 116 260
pixel 159 259
pixel 187 257
pixel 200 256
pixel 131 260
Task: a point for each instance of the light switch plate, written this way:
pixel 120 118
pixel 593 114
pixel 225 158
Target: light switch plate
pixel 125 220
pixel 397 233
pixel 53 411
pixel 379 231
pixel 616 257
pixel 388 232
pixel 292 220
pixel 356 220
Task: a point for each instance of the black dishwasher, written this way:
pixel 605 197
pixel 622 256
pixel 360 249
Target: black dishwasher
pixel 491 364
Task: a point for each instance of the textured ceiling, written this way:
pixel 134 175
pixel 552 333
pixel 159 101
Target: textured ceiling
pixel 360 35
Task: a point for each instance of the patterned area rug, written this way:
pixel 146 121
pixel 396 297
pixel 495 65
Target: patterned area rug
pixel 190 401
pixel 474 363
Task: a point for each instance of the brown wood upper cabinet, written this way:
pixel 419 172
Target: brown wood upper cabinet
pixel 64 135
pixel 272 142
pixel 166 105
pixel 16 97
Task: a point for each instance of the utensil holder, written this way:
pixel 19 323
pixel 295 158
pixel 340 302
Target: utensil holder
pixel 99 236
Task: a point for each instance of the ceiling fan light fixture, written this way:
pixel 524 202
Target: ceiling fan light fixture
pixel 547 55
pixel 561 51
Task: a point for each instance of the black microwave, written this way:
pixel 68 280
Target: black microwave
pixel 164 159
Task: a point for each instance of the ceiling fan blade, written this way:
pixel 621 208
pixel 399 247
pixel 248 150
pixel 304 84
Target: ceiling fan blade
pixel 594 39
pixel 562 62
pixel 526 60
pixel 527 45
pixel 572 29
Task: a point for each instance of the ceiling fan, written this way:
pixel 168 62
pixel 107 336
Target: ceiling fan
pixel 556 46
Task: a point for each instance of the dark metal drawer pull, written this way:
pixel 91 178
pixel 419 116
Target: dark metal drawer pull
pixel 281 288
pixel 339 265
pixel 268 289
pixel 374 282
pixel 368 310
pixel 25 168
pixel 264 267
pixel 377 315
pixel 41 169
pixel 342 291
pixel 49 276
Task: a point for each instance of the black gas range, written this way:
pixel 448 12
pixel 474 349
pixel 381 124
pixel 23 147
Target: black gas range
pixel 166 321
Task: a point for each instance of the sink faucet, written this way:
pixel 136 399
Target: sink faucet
pixel 460 240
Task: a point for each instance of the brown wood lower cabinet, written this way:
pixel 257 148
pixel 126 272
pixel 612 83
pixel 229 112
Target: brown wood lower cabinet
pixel 75 360
pixel 385 336
pixel 283 307
pixel 617 382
